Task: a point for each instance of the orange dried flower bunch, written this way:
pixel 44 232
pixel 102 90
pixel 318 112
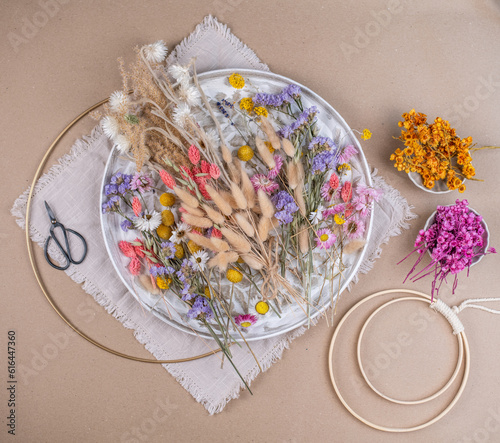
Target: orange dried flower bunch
pixel 434 151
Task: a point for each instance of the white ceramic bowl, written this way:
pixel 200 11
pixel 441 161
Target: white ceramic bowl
pixel 439 186
pixel 486 234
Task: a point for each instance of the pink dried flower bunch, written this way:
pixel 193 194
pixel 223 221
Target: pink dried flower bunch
pixel 453 240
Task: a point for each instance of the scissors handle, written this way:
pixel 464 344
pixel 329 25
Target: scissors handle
pixel 65 252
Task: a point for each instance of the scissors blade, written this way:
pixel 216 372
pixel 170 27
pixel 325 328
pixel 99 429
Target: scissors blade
pixel 50 213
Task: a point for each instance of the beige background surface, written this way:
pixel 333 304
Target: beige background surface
pixel 439 57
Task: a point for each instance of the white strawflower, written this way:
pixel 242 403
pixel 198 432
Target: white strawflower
pixel 316 216
pixel 190 95
pixel 180 73
pixel 155 52
pixel 118 102
pixel 110 127
pixel 149 221
pixel 199 260
pixel 122 143
pixel 182 114
pixel 179 234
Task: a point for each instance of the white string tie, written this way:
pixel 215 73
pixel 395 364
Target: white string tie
pixel 451 313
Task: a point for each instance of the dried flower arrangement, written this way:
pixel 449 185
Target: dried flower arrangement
pixel 454 241
pixel 434 151
pixel 262 215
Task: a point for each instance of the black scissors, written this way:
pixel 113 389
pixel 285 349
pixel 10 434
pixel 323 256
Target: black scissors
pixel 65 252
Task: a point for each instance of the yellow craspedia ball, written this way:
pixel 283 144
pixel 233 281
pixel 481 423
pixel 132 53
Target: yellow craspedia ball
pixel 167 199
pixel 167 218
pixel 240 260
pixel 193 247
pixel 207 292
pixel 179 251
pixel 234 276
pixel 262 307
pixel 245 153
pixel 164 232
pixel 162 282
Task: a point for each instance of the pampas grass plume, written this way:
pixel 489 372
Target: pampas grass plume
pixel 222 204
pixel 237 241
pixel 244 224
pixel 238 195
pixel 267 157
pixel 265 203
pixel 199 222
pixel 288 147
pixel 186 197
pixel 214 215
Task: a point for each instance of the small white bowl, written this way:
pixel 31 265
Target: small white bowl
pixel 439 185
pixel 486 234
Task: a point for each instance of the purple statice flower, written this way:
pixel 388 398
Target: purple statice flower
pixel 261 181
pixel 141 182
pixel 201 308
pixel 274 172
pixel 347 153
pixel 186 271
pixel 286 206
pixel 168 249
pixel 186 292
pixel 321 144
pixel 292 91
pixel 323 161
pixel 306 118
pixel 288 94
pixel 126 225
pixel 111 205
pixel 118 184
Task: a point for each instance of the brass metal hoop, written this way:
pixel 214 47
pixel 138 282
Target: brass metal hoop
pixel 34 265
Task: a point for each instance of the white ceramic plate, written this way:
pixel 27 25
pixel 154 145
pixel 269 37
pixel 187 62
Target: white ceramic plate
pixel 330 124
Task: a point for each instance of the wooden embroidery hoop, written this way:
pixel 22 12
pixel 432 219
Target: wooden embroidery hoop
pixel 464 356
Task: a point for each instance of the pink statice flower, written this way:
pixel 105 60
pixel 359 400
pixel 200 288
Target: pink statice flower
pixel 347 153
pixel 245 320
pixel 325 238
pixel 274 172
pixel 261 181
